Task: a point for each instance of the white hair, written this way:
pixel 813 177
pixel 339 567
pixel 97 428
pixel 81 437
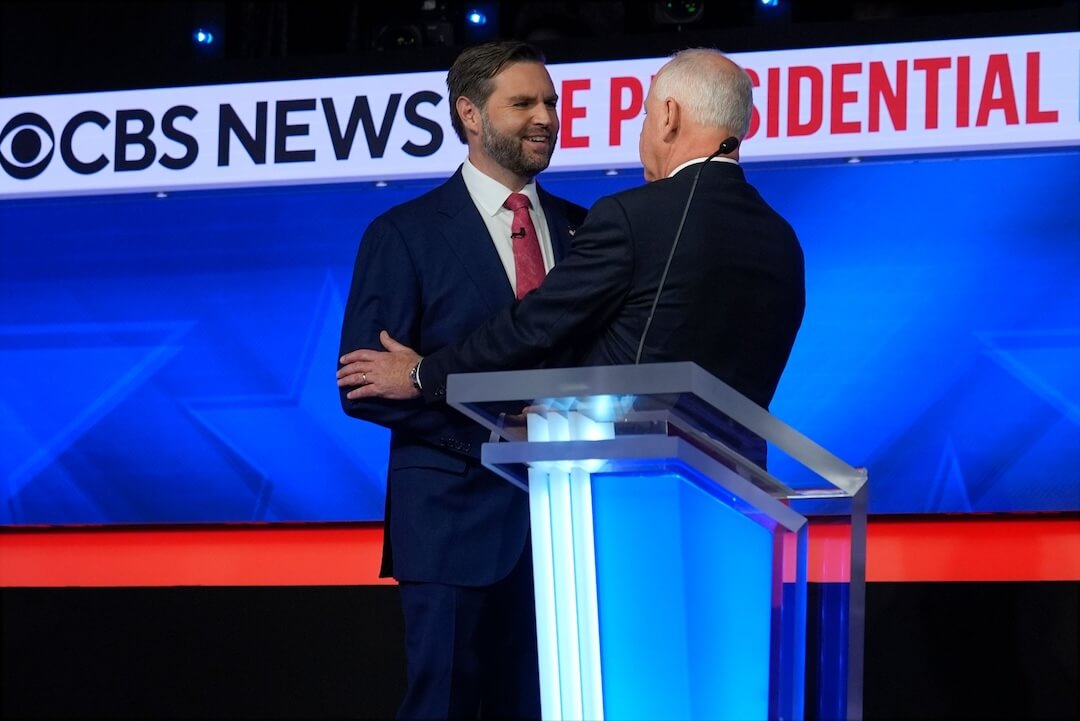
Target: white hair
pixel 714 97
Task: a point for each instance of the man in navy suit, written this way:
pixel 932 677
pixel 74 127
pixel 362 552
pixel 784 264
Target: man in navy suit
pixel 430 271
pixel 733 297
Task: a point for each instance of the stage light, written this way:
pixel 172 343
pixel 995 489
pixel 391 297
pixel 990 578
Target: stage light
pixel 203 37
pixel 678 12
pixel 772 12
pixel 481 21
pixel 398 37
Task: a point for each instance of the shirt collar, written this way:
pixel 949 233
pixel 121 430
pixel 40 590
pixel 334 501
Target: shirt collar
pixel 488 193
pixel 702 159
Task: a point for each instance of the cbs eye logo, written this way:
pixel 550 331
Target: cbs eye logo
pixel 26 146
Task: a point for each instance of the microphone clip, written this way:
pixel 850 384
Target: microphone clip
pixel 519 234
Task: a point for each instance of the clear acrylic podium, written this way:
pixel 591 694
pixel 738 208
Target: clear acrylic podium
pixel 670 565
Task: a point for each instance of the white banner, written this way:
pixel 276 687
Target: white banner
pixel 898 99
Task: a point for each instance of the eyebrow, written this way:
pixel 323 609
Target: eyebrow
pixel 519 98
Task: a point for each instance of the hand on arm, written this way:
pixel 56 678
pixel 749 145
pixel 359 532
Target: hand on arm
pixel 379 374
pixel 385 295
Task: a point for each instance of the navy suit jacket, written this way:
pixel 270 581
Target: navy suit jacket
pixel 732 303
pixel 428 273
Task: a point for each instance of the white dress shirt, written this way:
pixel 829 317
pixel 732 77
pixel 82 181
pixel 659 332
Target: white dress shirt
pixel 489 195
pixel 702 159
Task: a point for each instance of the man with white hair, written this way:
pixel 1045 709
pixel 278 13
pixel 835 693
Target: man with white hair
pixel 692 266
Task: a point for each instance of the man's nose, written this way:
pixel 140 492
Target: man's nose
pixel 544 115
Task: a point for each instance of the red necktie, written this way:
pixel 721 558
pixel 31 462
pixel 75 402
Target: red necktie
pixel 528 261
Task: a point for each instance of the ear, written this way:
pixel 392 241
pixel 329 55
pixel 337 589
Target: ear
pixel 469 114
pixel 672 118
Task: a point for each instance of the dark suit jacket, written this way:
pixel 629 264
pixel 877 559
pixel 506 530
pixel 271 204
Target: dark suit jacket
pixel 732 303
pixel 428 272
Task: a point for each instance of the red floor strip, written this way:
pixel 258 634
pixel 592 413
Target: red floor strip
pixel 279 555
pixel 974 548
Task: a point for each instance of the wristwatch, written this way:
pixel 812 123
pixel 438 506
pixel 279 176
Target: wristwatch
pixel 413 377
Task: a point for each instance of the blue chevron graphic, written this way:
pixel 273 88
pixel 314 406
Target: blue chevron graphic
pixel 1043 360
pixel 59 380
pixel 949 490
pixel 318 464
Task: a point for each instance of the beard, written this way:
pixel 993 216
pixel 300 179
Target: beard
pixel 507 151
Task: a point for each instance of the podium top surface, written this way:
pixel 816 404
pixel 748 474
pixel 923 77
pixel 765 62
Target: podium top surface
pixel 657 398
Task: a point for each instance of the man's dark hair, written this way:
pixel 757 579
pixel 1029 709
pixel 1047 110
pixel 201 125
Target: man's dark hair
pixel 471 74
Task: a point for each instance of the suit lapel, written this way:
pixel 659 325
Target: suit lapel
pixel 467 235
pixel 560 229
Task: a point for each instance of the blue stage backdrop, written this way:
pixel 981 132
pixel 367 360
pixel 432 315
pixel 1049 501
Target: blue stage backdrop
pixel 171 359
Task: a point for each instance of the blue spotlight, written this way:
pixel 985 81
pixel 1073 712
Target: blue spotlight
pixel 770 3
pixel 202 37
pixel 475 17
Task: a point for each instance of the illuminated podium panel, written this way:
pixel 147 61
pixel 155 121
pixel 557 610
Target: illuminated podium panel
pixel 670 566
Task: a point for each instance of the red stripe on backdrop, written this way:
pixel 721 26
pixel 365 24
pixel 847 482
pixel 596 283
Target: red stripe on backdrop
pixel 972 548
pixel 997 548
pixel 949 548
pixel 278 555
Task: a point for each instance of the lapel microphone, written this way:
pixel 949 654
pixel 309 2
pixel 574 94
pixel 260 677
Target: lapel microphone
pixel 728 146
pixel 519 234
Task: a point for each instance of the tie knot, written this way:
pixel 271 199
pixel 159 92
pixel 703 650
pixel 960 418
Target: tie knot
pixel 517 200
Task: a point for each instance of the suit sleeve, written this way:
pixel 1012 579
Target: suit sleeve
pixel 580 295
pixel 386 294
